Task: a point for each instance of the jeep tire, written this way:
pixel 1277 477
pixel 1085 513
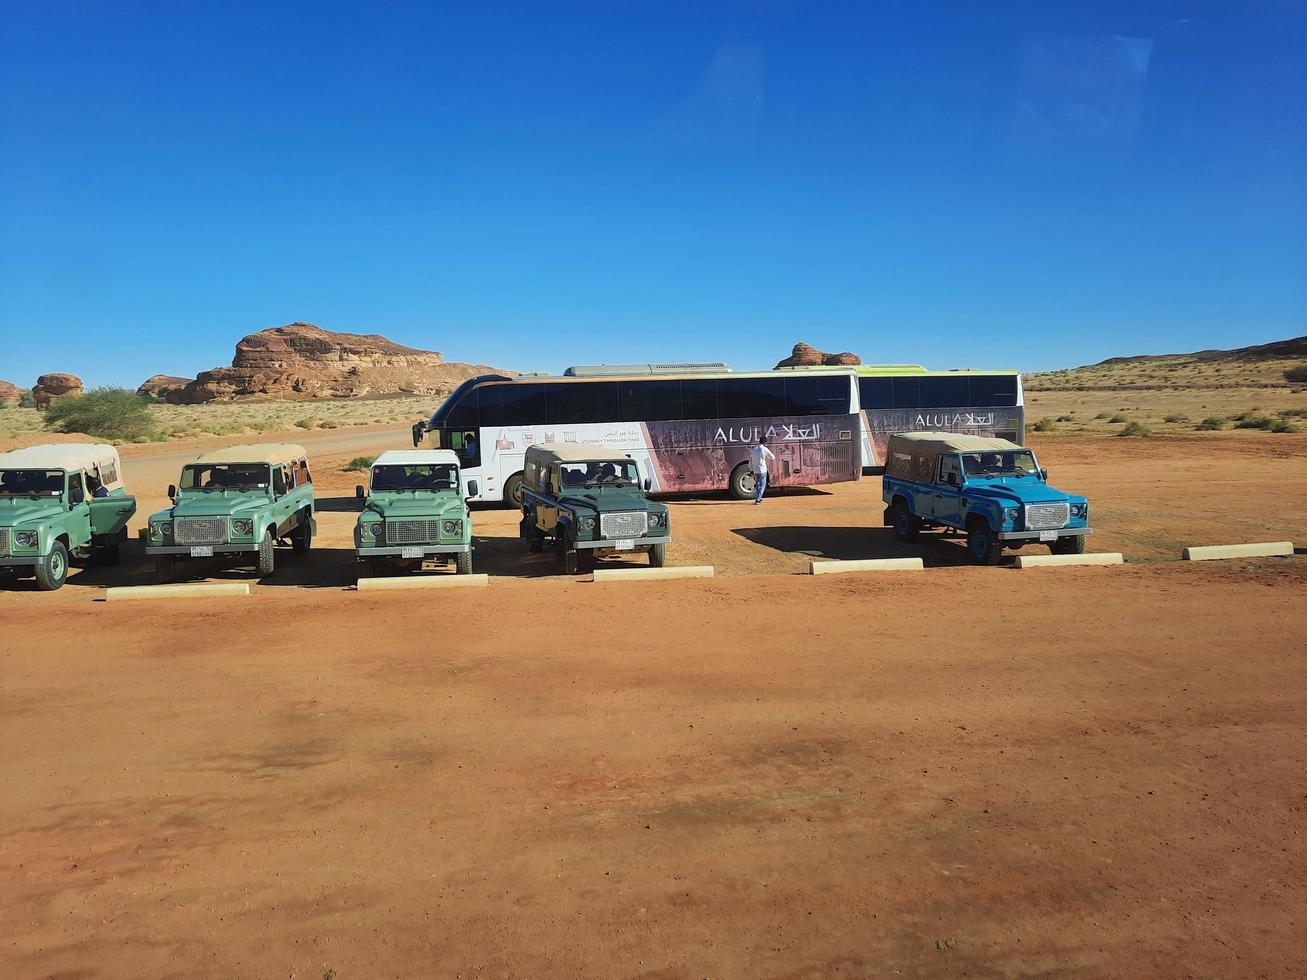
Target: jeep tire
pixel 165 569
pixel 743 486
pixel 52 569
pixel 1068 544
pixel 527 530
pixel 657 555
pixel 906 524
pixel 463 563
pixel 302 540
pixel 566 556
pixel 983 544
pixel 267 561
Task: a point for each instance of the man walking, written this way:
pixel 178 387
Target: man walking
pixel 758 456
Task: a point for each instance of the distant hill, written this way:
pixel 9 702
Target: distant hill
pixel 1277 349
pixel 1258 366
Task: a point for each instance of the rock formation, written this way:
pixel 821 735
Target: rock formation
pixel 48 387
pixel 805 355
pixel 10 393
pixel 302 361
pixel 160 385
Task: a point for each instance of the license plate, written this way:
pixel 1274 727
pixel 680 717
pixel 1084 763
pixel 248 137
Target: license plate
pixel 202 551
pixel 410 552
pixel 624 545
pixel 1047 535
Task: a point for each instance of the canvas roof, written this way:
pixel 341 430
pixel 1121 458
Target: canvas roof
pixel 266 452
pixel 937 442
pixel 578 452
pixel 416 457
pixel 65 456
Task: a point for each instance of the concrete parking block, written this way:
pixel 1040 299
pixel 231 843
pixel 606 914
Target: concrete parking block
pixel 423 582
pixel 201 591
pixel 1058 561
pixel 646 574
pixel 1269 549
pixel 866 565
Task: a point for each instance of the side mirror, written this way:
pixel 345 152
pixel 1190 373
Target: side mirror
pixel 472 489
pixel 1043 475
pixel 648 484
pixel 172 491
pixel 358 492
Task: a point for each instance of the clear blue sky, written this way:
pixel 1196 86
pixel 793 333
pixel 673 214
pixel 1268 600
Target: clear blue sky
pixel 530 185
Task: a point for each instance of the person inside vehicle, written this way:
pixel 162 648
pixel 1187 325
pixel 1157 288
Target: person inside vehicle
pixel 471 452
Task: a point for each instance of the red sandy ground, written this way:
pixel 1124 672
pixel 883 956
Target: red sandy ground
pixel 967 771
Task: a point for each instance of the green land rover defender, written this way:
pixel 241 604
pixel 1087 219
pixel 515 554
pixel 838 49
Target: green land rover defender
pixel 414 509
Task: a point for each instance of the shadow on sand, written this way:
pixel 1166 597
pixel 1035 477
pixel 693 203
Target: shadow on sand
pixel 854 543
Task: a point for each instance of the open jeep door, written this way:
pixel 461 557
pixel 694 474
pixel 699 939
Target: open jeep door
pixel 109 515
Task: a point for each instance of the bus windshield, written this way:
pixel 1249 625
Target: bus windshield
pixel 607 473
pixel 225 476
pixel 31 483
pixel 1015 463
pixel 408 477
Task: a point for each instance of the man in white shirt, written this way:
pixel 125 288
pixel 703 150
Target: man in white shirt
pixel 758 456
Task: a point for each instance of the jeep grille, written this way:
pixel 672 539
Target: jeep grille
pixel 411 532
pixel 1044 517
pixel 627 524
pixel 200 530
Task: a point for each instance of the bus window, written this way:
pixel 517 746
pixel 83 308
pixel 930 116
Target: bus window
pixel 876 392
pixel 907 392
pixel 743 398
pixel 699 399
pixel 462 414
pixel 577 403
pixel 945 392
pixel 822 395
pixel 650 401
pixel 512 403
pixel 993 391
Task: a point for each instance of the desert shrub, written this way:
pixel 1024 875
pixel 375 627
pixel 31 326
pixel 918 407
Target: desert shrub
pixel 328 424
pixel 306 424
pixel 1283 426
pixel 1103 415
pixel 1248 422
pixel 116 414
pixel 1297 373
pixel 1118 419
pixel 1067 418
pixel 1177 418
pixel 1212 423
pixel 25 400
pixel 1136 429
pixel 359 463
pixel 1045 425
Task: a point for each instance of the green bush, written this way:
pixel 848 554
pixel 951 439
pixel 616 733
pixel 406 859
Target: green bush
pixel 25 400
pixel 1177 418
pixel 1253 423
pixel 1117 419
pixel 306 424
pixel 328 424
pixel 116 414
pixel 1212 423
pixel 1103 415
pixel 1298 373
pixel 359 463
pixel 1136 429
pixel 1045 425
pixel 1283 426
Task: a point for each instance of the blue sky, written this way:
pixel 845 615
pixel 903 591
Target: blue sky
pixel 531 185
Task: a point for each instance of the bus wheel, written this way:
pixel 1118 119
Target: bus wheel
pixel 743 485
pixel 513 490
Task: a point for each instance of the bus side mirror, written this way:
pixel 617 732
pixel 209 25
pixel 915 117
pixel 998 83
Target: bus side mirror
pixel 172 491
pixel 358 491
pixel 648 484
pixel 472 489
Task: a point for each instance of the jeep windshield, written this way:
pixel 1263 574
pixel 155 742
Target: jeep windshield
pixel 31 483
pixel 436 477
pixel 602 473
pixel 1014 463
pixel 225 476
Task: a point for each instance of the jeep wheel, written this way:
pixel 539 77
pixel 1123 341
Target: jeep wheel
pixel 983 545
pixel 513 490
pixel 267 558
pixel 52 570
pixel 743 485
pixel 463 563
pixel 527 531
pixel 302 540
pixel 657 555
pixel 165 569
pixel 906 524
pixel 1071 544
pixel 566 556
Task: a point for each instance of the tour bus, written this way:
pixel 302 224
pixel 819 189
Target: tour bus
pixel 688 427
pixel 908 398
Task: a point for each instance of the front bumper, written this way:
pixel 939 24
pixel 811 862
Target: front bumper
pixel 16 561
pixel 1061 532
pixel 427 549
pixel 611 543
pixel 185 549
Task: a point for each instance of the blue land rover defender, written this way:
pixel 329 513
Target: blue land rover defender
pixel 991 489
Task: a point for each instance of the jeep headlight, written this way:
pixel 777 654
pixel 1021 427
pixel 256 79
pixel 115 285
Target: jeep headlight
pixel 26 539
pixel 242 527
pixel 587 523
pixel 373 529
pixel 657 519
pixel 161 530
pixel 1011 514
pixel 452 527
pixel 1079 510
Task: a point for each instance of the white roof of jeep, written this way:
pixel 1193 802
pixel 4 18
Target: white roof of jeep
pixel 65 456
pixel 578 452
pixel 417 457
pixel 265 452
pixel 956 442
